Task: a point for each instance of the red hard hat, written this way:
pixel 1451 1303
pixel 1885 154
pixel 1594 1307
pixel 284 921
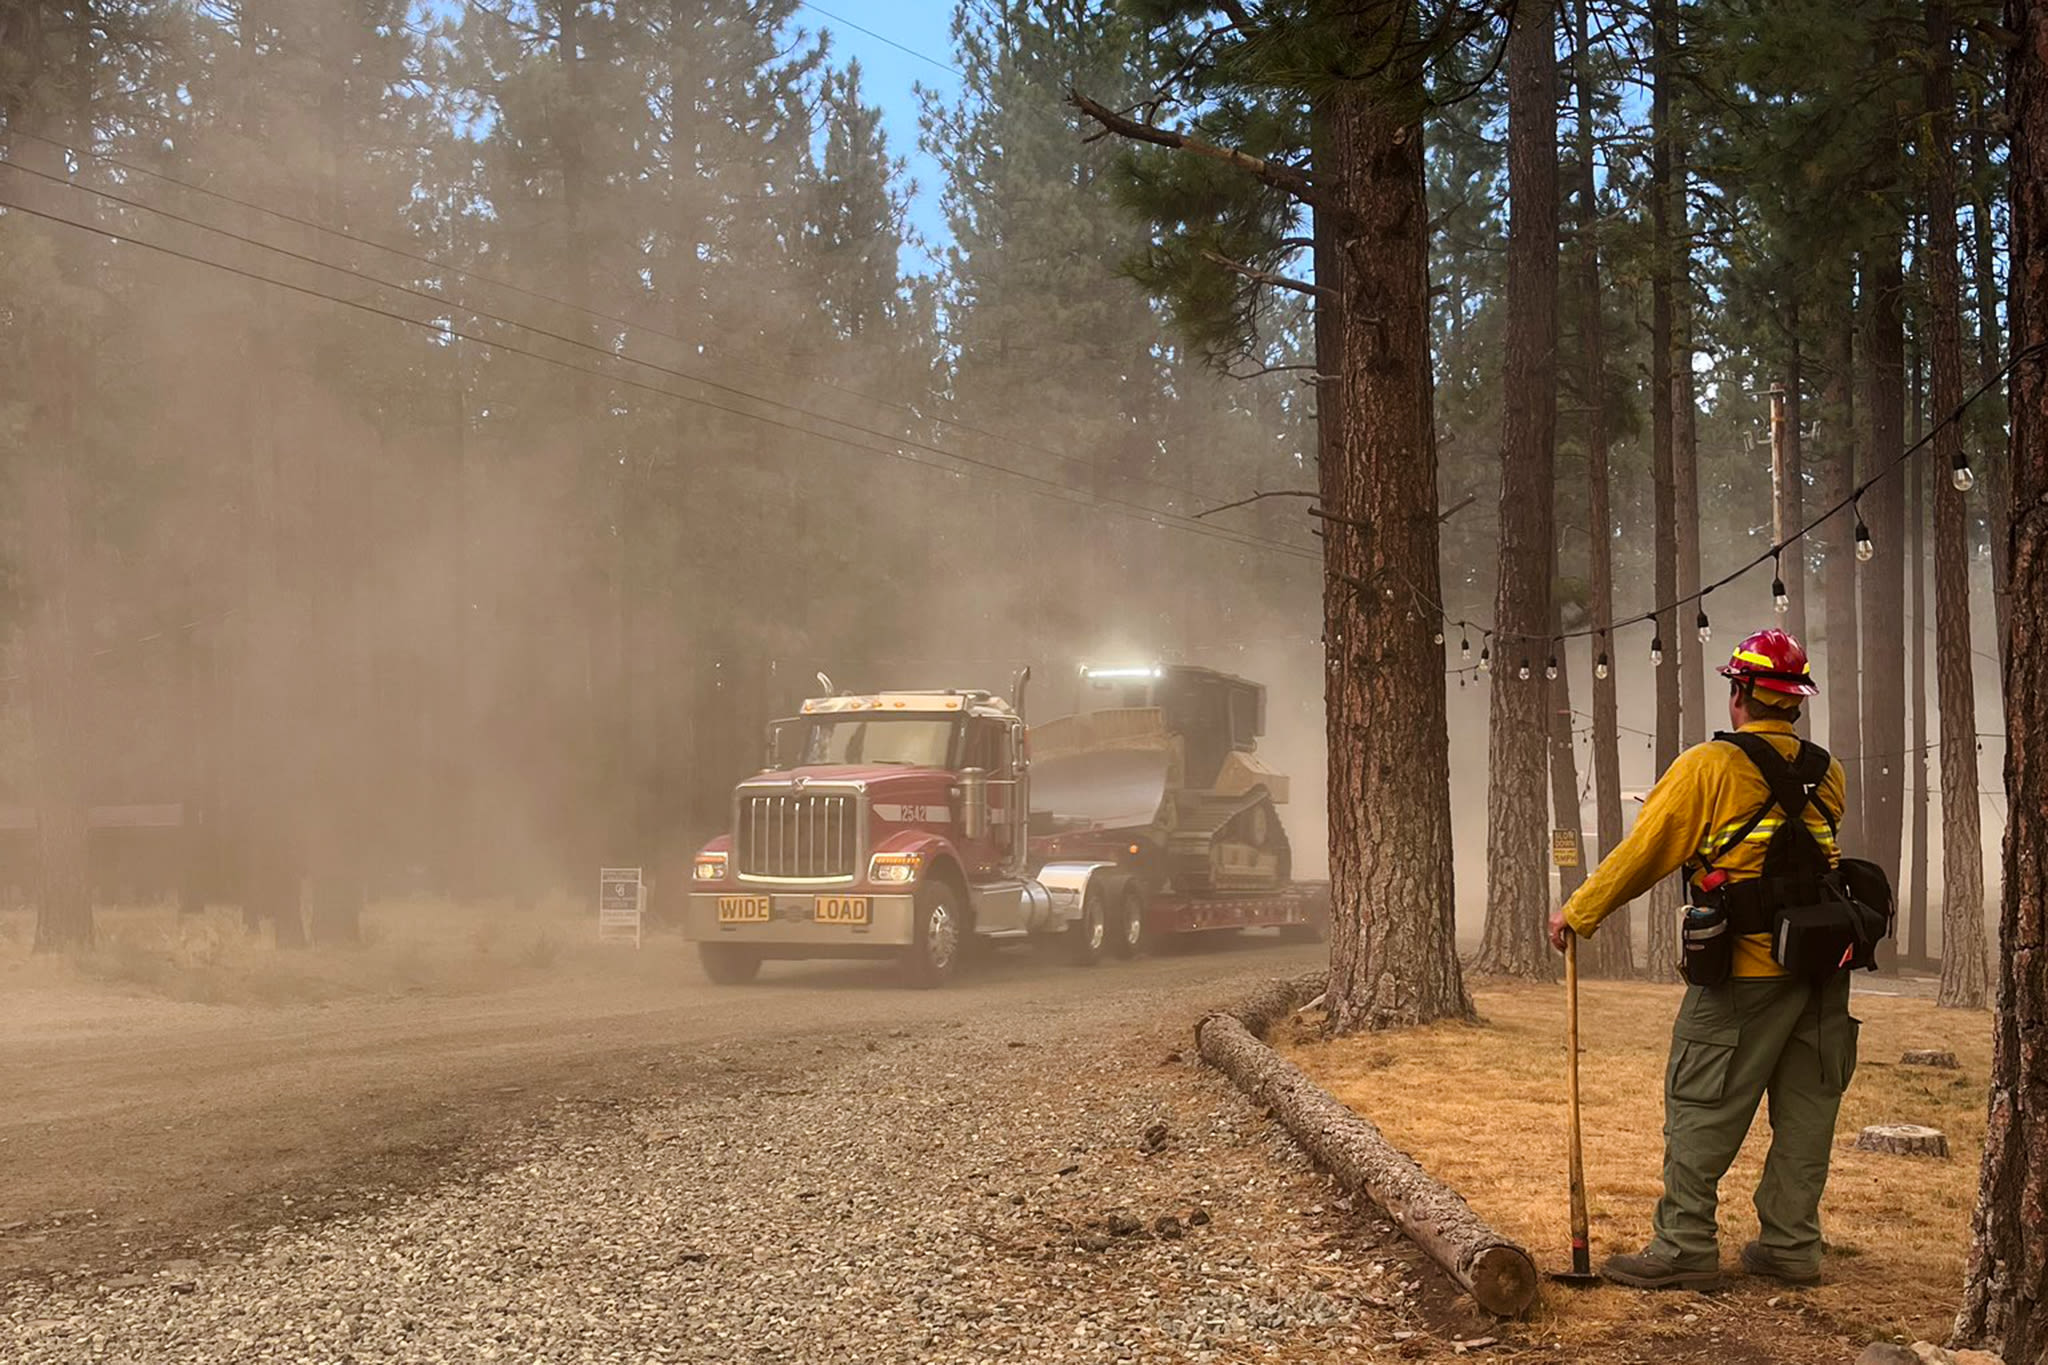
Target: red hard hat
pixel 1774 661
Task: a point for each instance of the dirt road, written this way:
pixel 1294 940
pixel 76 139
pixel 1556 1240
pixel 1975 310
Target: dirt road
pixel 818 1167
pixel 134 1128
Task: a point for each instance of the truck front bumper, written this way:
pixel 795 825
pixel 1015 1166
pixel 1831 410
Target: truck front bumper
pixel 892 923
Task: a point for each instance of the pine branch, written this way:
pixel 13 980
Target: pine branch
pixel 1281 177
pixel 1258 276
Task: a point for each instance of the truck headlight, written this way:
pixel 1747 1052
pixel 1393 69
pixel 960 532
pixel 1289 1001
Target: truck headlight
pixel 894 867
pixel 710 867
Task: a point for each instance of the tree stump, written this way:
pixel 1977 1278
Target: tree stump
pixel 1937 1057
pixel 1903 1139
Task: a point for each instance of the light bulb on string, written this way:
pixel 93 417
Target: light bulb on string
pixel 1960 474
pixel 1550 669
pixel 1600 668
pixel 1439 636
pixel 1703 625
pixel 1465 647
pixel 1485 659
pixel 1780 599
pixel 1864 547
pixel 1522 671
pixel 1656 651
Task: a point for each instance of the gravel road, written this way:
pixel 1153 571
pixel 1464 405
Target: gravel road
pixel 1029 1167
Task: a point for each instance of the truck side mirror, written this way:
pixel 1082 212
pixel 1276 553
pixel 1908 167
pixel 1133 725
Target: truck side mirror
pixel 973 787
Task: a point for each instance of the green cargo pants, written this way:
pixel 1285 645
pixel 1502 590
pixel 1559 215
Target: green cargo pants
pixel 1731 1046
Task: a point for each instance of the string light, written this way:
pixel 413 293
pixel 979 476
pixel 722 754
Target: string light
pixel 1600 668
pixel 1465 646
pixel 1550 669
pixel 1522 671
pixel 1485 659
pixel 1780 599
pixel 1961 475
pixel 1439 635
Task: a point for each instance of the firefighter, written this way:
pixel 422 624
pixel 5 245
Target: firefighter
pixel 1761 1030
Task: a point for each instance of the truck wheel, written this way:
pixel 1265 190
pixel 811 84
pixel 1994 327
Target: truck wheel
pixel 1129 922
pixel 1087 936
pixel 729 964
pixel 933 957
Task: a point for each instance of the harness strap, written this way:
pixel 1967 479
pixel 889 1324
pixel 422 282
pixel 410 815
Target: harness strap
pixel 1793 787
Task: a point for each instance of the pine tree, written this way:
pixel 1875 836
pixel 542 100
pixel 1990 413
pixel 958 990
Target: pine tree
pixel 1393 958
pixel 1517 884
pixel 2006 1276
pixel 1612 952
pixel 1963 981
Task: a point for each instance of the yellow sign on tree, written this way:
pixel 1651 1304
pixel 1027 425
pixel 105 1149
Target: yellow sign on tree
pixel 1564 847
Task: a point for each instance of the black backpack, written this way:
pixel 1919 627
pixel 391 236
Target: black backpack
pixel 1821 920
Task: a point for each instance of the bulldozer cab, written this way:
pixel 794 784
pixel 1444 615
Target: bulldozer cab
pixel 1163 755
pixel 1213 714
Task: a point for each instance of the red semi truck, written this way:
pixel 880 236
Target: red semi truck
pixel 904 825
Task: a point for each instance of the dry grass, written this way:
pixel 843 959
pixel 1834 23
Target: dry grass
pixel 1483 1109
pixel 410 947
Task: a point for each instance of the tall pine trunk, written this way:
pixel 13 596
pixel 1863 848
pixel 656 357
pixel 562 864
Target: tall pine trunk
pixel 1660 958
pixel 1792 493
pixel 2006 1281
pixel 1884 578
pixel 1839 564
pixel 1995 476
pixel 1517 875
pixel 1913 903
pixel 1963 969
pixel 1393 949
pixel 1612 952
pixel 270 750
pixel 1695 652
pixel 49 384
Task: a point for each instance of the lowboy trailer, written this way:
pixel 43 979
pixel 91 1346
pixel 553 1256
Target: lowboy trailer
pixel 906 825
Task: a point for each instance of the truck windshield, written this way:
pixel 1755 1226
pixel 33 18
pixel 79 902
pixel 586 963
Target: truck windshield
pixel 911 740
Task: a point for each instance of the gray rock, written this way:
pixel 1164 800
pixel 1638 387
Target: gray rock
pixel 1887 1353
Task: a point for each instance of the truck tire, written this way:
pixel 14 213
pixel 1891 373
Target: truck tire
pixel 1127 923
pixel 942 933
pixel 729 964
pixel 1087 936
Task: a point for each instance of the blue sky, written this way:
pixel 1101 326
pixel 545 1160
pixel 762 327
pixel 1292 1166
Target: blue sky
pixel 883 34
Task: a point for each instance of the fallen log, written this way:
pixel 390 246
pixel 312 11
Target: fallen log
pixel 1498 1274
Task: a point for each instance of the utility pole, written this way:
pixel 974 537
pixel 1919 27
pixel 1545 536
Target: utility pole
pixel 1779 598
pixel 1777 464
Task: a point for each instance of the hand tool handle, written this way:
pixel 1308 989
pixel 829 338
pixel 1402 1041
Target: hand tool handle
pixel 1582 1263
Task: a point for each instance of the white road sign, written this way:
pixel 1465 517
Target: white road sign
pixel 621 901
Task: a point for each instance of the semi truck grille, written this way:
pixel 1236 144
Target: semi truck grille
pixel 789 835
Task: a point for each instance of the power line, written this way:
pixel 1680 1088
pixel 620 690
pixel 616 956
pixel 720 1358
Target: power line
pixel 427 258
pixel 442 301
pixel 1037 484
pixel 906 51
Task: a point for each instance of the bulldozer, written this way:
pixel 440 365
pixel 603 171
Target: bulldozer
pixel 1157 768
